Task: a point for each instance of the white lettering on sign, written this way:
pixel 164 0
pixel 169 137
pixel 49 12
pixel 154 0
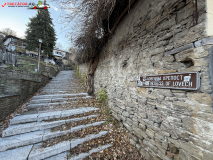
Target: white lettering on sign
pixel 189 81
pixel 169 78
pixel 140 83
pixel 138 78
pixel 182 84
pixel 167 83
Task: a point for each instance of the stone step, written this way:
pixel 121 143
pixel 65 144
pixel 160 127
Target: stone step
pixel 84 155
pixel 36 126
pixel 48 134
pixel 36 101
pixel 39 136
pixel 60 84
pixel 40 105
pixel 16 154
pixel 50 115
pixel 63 79
pixel 38 152
pixel 63 156
pixel 48 100
pixel 59 96
pixel 60 89
pixel 58 92
pixel 53 87
pixel 30 127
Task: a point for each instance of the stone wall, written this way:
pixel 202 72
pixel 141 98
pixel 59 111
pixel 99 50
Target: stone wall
pixel 158 37
pixel 8 103
pixel 16 86
pixel 48 70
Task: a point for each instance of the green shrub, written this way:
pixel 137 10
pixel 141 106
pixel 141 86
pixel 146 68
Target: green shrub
pixel 102 96
pixel 77 71
pixel 84 78
pixel 10 66
pixel 70 68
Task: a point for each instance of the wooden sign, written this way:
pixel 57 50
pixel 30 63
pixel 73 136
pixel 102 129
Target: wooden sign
pixel 187 80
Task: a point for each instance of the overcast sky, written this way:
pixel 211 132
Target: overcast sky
pixel 16 18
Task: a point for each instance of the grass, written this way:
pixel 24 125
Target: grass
pixel 32 61
pixel 22 68
pixel 29 64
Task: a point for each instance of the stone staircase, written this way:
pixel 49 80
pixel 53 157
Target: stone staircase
pixel 25 136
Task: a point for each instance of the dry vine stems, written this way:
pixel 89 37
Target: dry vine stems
pixel 94 20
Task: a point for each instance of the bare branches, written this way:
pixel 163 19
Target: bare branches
pixel 85 18
pixel 8 31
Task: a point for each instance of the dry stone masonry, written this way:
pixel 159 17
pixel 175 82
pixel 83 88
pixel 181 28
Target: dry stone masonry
pixel 159 37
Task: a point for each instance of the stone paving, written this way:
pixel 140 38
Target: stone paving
pixel 23 138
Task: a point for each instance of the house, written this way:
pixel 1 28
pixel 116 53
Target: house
pixel 2 34
pixel 58 53
pixel 12 43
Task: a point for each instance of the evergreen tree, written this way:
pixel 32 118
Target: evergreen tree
pixel 41 26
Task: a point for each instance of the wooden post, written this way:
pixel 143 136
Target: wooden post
pixel 39 52
pixel 195 14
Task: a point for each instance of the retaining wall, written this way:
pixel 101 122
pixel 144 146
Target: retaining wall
pixel 158 37
pixel 16 86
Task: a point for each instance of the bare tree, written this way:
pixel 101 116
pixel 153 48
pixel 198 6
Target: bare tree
pixel 72 50
pixel 1 41
pixel 58 45
pixel 86 30
pixel 85 18
pixel 8 31
pixel 89 28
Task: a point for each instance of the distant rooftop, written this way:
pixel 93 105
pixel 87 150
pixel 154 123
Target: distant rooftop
pixel 57 49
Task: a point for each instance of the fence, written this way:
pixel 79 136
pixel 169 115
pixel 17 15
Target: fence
pixel 8 58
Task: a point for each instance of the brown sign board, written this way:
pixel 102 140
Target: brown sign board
pixel 186 81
